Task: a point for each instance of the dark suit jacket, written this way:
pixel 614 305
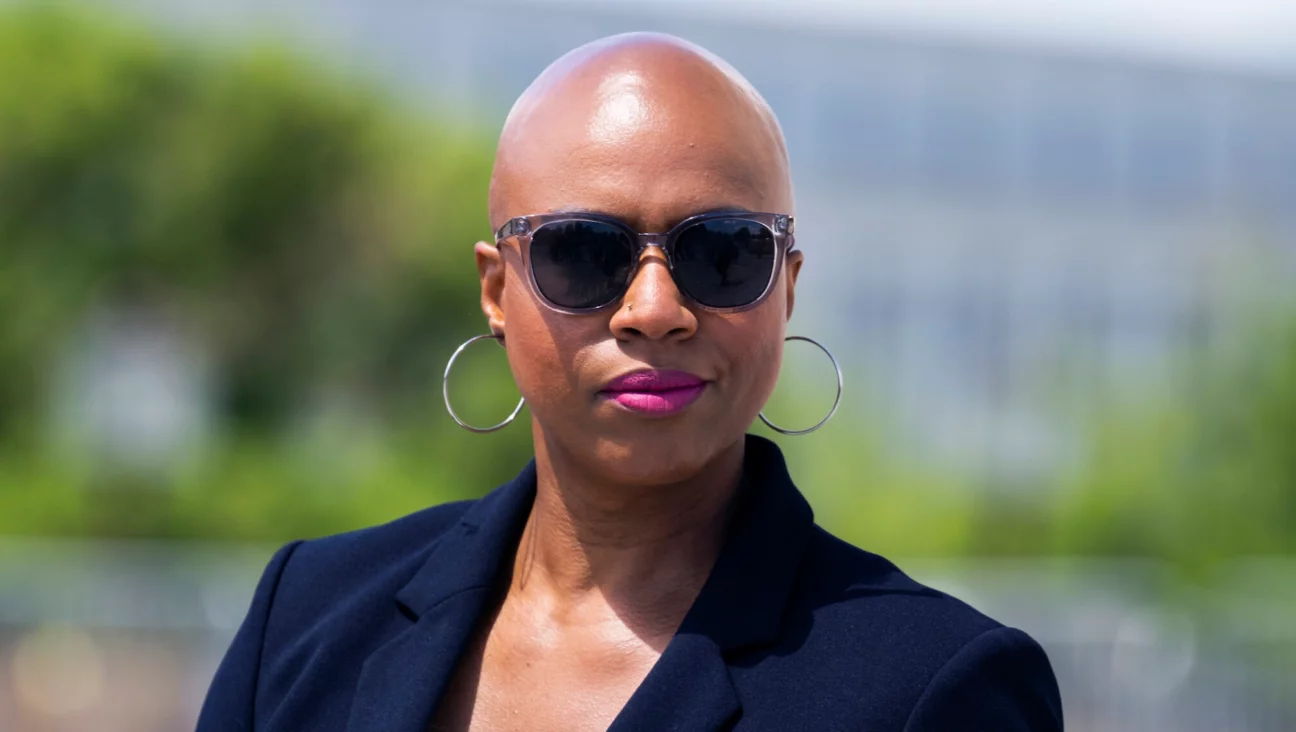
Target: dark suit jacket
pixel 794 630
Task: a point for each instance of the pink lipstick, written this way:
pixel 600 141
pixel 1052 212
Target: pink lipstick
pixel 655 392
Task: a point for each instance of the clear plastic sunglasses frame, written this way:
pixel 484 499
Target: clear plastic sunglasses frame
pixel 524 227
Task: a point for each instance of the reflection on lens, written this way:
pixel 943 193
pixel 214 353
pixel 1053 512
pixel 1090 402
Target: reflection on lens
pixel 581 264
pixel 724 263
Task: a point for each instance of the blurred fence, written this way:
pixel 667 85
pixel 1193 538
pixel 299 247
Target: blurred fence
pixel 124 636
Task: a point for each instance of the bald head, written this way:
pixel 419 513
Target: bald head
pixel 644 126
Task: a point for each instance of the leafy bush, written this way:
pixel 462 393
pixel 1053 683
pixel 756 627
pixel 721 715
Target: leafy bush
pixel 1201 481
pixel 311 235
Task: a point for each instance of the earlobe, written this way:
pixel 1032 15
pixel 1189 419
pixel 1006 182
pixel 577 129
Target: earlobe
pixel 491 272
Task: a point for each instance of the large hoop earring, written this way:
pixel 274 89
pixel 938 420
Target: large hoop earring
pixel 836 401
pixel 445 388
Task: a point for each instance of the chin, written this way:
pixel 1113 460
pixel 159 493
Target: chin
pixel 658 458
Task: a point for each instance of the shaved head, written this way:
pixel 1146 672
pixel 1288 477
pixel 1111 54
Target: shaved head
pixel 623 106
pixel 648 130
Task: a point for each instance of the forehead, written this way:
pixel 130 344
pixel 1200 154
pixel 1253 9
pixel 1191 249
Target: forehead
pixel 649 153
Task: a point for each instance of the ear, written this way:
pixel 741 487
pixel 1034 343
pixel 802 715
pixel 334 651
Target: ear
pixel 490 270
pixel 792 268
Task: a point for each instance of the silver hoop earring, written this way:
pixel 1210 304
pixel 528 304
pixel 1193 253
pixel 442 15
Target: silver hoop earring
pixel 836 401
pixel 445 388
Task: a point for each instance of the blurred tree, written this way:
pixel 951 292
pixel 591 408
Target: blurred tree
pixel 315 238
pixel 310 233
pixel 1208 479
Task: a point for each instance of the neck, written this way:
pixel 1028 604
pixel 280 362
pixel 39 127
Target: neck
pixel 644 550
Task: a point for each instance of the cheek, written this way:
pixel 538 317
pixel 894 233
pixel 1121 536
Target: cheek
pixel 754 349
pixel 533 353
pixel 767 361
pixel 535 361
pixel 544 349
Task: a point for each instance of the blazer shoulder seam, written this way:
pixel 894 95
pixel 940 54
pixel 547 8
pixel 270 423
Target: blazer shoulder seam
pixel 272 591
pixel 931 683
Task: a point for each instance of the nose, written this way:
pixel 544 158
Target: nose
pixel 653 307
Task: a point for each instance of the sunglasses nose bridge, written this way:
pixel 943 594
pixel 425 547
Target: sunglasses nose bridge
pixel 657 241
pixel 653 241
pixel 641 275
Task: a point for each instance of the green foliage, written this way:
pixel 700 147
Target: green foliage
pixel 1199 482
pixel 1196 483
pixel 310 234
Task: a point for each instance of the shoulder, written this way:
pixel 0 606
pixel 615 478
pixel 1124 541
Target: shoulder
pixel 299 639
pixel 1000 680
pixel 842 583
pixel 882 649
pixel 371 549
pixel 341 572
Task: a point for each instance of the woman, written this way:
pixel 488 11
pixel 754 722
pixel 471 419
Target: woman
pixel 653 568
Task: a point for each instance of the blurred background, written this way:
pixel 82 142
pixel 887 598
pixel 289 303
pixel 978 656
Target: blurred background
pixel 1053 245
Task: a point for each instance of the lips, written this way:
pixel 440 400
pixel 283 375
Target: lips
pixel 655 392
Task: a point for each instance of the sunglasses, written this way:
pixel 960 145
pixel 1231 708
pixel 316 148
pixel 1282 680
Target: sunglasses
pixel 581 263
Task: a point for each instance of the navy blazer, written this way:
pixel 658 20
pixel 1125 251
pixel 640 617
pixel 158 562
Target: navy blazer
pixel 793 630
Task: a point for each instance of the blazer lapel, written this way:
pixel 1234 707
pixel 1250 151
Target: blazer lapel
pixel 688 689
pixel 740 607
pixel 402 680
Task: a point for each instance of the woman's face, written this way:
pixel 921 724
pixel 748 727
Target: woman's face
pixel 650 154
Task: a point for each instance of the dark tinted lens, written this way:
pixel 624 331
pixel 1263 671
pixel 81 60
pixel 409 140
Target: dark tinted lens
pixel 724 263
pixel 581 264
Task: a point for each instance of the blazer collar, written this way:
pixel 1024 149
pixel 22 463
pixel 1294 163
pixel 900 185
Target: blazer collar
pixel 743 600
pixel 741 605
pixel 474 552
pixel 401 682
